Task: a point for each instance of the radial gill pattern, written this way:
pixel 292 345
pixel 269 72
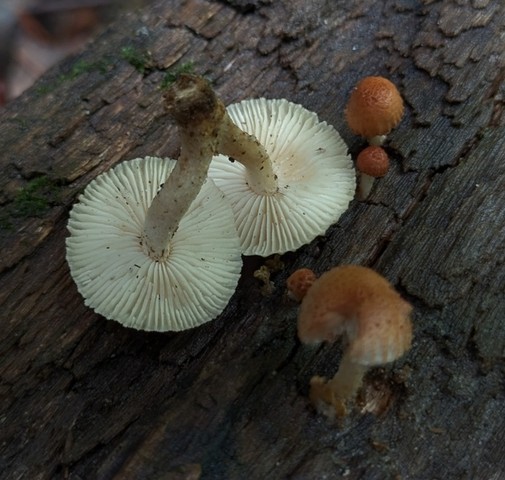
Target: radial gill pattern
pixel 121 282
pixel 316 178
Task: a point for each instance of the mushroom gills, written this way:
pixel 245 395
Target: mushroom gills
pixel 314 174
pixel 116 275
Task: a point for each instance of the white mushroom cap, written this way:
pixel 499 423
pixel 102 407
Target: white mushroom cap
pixel 315 174
pixel 117 277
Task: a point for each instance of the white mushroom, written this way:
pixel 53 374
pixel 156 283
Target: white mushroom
pixel 311 184
pixel 116 274
pixel 152 242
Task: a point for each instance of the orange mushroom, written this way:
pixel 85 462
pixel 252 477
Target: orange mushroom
pixel 361 305
pixel 375 107
pixel 372 163
pixel 299 282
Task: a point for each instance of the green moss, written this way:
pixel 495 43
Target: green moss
pixel 34 199
pixel 77 69
pixel 21 122
pixel 139 59
pixel 172 74
pixel 82 66
pixel 44 89
pixel 5 223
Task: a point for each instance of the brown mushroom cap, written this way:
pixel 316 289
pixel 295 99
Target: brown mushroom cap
pixel 360 303
pixel 375 107
pixel 299 282
pixel 373 161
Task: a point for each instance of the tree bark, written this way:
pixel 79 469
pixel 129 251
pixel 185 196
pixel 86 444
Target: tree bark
pixel 82 397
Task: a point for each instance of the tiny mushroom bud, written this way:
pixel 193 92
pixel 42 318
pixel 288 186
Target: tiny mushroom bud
pixel 375 107
pixel 372 162
pixel 299 282
pixel 362 305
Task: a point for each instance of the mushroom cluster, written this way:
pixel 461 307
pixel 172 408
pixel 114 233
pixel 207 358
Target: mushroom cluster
pixel 374 108
pixel 362 306
pixel 153 243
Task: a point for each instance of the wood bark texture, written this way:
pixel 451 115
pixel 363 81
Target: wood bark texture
pixel 82 397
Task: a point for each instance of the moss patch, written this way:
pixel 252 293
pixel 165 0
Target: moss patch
pixel 172 74
pixel 77 69
pixel 35 198
pixel 21 122
pixel 139 59
pixel 82 66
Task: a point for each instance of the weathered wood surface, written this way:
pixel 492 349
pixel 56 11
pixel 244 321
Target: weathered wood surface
pixel 82 397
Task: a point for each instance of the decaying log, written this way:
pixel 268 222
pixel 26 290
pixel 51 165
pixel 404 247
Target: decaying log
pixel 82 397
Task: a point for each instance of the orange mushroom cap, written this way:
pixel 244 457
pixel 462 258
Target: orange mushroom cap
pixel 373 161
pixel 299 282
pixel 375 107
pixel 360 303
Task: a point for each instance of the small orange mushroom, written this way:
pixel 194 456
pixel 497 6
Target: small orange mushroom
pixel 375 107
pixel 299 282
pixel 372 162
pixel 361 305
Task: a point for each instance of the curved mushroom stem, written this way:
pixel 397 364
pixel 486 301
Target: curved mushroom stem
pixel 206 130
pixel 197 111
pixel 340 389
pixel 246 149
